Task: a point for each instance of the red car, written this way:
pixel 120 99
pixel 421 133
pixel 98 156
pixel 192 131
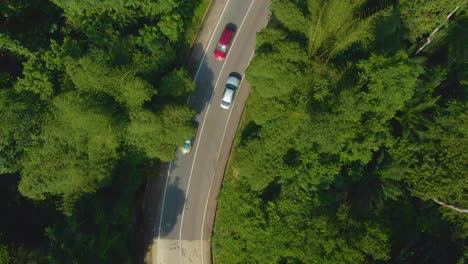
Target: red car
pixel 223 44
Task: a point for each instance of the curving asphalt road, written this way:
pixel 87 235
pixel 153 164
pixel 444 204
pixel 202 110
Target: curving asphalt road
pixel 188 200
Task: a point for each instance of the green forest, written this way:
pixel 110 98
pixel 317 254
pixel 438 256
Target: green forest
pixel 353 146
pixel 92 99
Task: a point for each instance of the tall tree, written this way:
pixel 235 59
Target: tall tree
pixel 91 74
pixel 77 153
pixel 157 134
pixel 37 79
pixel 21 115
pixel 436 167
pixel 420 18
pixel 4 254
pixel 291 16
pixel 177 84
pixel 359 124
pixel 7 43
pixel 335 25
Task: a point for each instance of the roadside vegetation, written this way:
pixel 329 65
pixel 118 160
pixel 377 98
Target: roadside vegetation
pixel 352 148
pixel 92 98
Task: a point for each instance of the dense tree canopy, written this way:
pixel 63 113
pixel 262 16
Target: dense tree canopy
pixel 437 167
pixel 91 94
pixel 348 139
pixel 421 18
pixel 78 151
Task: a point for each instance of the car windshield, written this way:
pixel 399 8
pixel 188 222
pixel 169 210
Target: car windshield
pixel 225 103
pixel 231 86
pixel 186 148
pixel 222 48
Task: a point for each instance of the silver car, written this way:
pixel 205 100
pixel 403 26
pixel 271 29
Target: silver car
pixel 230 90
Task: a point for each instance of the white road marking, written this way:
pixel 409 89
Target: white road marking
pixel 211 182
pixel 198 141
pixel 224 133
pixel 201 130
pixel 165 187
pixel 193 163
pixel 162 207
pixel 209 42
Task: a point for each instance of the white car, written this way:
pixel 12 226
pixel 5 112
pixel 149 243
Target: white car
pixel 230 90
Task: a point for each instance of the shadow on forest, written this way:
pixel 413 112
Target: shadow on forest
pixel 249 132
pixel 387 34
pixel 23 221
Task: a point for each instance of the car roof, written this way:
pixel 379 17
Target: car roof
pixel 226 36
pixel 228 93
pixel 233 80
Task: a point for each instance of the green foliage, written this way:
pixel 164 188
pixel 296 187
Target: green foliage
pixel 262 110
pixel 390 83
pixel 156 135
pixel 419 234
pixel 417 114
pixel 294 228
pixel 36 79
pixel 177 84
pixel 334 27
pixel 77 152
pixel 196 21
pixel 119 12
pixel 342 131
pixel 31 24
pixel 110 213
pixel 291 16
pixel 77 79
pixel 171 26
pixel 421 18
pixel 260 162
pixel 7 43
pixel 150 39
pixel 4 255
pixel 20 119
pixel 267 38
pixel 286 59
pixel 123 85
pixel 358 125
pixel 437 166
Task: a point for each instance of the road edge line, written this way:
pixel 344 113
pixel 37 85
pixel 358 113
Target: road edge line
pixel 224 134
pixel 201 130
pixel 162 207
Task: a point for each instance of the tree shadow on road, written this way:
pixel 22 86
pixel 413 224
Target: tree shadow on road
pixel 174 202
pixel 173 205
pixel 200 70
